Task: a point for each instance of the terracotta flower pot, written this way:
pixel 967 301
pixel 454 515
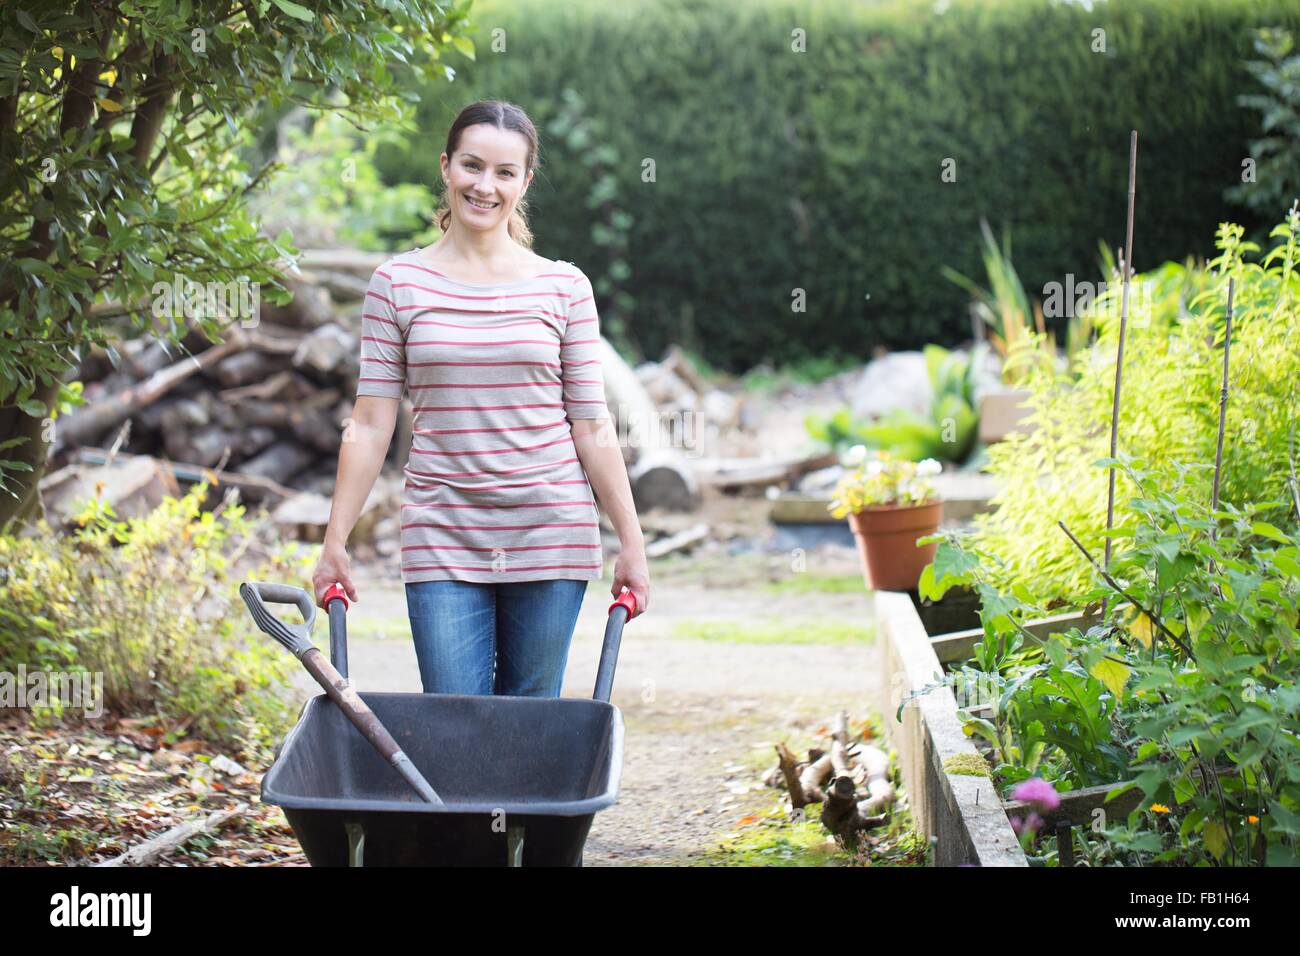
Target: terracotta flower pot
pixel 886 537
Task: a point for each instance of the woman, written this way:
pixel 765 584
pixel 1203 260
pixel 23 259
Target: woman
pixel 498 349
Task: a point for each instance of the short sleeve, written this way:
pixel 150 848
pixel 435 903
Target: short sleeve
pixel 580 368
pixel 383 346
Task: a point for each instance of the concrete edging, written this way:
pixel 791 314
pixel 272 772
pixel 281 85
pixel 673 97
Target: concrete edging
pixel 963 813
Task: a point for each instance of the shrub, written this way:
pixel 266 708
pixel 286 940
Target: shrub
pixel 1168 413
pixel 824 166
pixel 150 603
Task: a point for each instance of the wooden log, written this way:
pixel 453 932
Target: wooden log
pixel 203 446
pixel 813 776
pixel 680 363
pixel 253 487
pixel 279 463
pixel 325 349
pixel 632 408
pixel 342 286
pixel 677 542
pixel 91 421
pixel 880 792
pixel 246 367
pixel 286 386
pixel 148 852
pixel 740 473
pixel 788 766
pixel 664 479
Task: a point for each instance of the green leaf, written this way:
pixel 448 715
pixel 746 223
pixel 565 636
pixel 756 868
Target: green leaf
pixel 294 10
pixel 1266 530
pixel 1216 838
pixel 34 408
pixel 1113 674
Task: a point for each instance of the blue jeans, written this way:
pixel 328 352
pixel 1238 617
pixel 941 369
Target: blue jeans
pixel 510 638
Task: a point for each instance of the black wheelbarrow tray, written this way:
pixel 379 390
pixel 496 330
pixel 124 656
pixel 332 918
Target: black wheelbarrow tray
pixel 521 778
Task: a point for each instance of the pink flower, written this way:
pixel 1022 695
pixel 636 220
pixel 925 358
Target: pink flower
pixel 1028 826
pixel 1038 792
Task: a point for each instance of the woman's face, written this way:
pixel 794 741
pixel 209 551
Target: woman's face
pixel 488 167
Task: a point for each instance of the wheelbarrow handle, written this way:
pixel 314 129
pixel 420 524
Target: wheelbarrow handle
pixel 619 612
pixel 335 601
pixel 295 637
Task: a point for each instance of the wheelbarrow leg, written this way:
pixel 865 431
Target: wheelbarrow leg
pixel 356 844
pixel 515 846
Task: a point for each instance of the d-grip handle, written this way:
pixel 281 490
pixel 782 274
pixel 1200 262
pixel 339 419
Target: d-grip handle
pixel 295 637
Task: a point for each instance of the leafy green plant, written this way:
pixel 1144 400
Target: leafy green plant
pixel 1188 690
pixel 123 129
pixel 151 604
pixel 1004 308
pixel 882 479
pixel 1168 412
pixel 327 192
pixel 946 433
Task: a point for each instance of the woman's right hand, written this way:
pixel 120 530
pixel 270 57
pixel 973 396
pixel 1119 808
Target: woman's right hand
pixel 333 566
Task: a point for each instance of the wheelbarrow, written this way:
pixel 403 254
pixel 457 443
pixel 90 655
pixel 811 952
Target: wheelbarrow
pixel 520 778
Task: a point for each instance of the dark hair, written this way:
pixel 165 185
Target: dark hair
pixel 502 115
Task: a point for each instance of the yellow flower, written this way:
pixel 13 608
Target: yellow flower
pixel 1159 808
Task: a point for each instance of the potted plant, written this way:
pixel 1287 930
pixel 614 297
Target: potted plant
pixel 890 503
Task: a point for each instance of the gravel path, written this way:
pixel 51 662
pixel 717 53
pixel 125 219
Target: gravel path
pixel 700 714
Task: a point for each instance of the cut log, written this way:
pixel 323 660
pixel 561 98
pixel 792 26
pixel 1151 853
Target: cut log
pixel 664 479
pixel 756 472
pixel 631 406
pixel 680 363
pixel 88 423
pixel 246 367
pixel 252 487
pixel 279 463
pixel 677 542
pixel 880 792
pixel 342 286
pixel 309 308
pixel 286 386
pixel 813 776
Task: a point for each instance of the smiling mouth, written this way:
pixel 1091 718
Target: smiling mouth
pixel 477 205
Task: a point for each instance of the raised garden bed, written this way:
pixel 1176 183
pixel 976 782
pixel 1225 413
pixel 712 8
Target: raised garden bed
pixel 954 801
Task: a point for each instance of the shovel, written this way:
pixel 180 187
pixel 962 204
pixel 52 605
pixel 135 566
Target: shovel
pixel 297 638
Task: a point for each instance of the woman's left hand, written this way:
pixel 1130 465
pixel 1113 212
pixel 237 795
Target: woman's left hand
pixel 631 572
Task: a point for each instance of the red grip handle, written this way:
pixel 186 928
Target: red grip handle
pixel 628 600
pixel 334 591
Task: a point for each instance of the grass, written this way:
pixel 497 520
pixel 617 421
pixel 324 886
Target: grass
pixel 818 584
pixel 388 627
pixel 778 631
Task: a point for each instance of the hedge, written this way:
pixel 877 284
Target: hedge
pixel 820 171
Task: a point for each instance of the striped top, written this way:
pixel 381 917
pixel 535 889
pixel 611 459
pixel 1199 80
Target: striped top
pixel 494 489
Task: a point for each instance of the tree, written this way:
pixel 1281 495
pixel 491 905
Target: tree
pixel 121 123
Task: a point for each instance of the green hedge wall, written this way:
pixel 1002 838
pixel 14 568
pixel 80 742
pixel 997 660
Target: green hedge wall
pixel 821 170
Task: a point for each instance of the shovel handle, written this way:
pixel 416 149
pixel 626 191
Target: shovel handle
pixel 295 637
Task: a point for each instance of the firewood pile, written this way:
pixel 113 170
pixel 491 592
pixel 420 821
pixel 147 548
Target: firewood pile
pixel 850 779
pixel 267 405
pixel 269 402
